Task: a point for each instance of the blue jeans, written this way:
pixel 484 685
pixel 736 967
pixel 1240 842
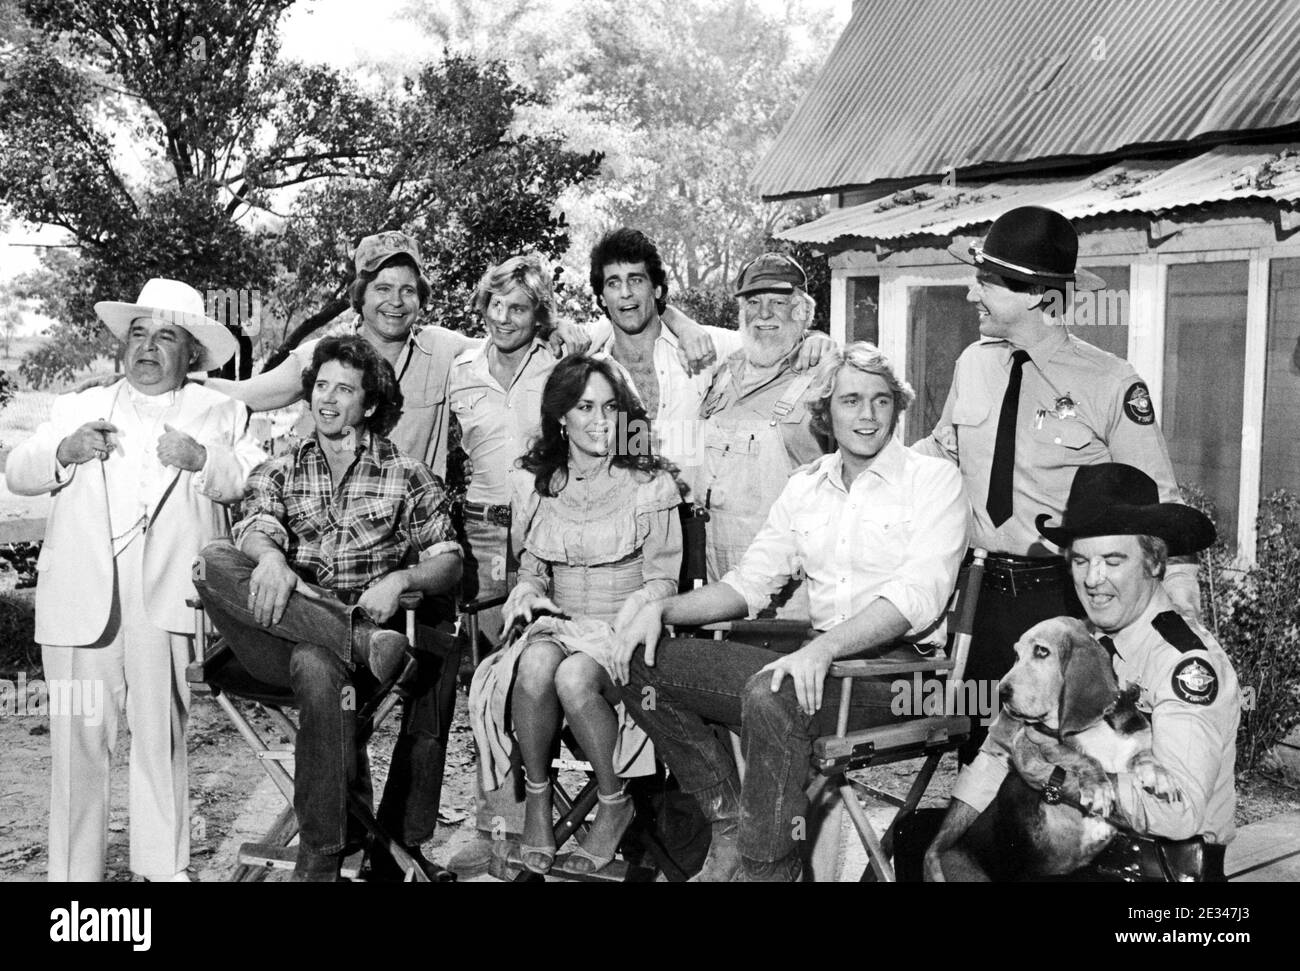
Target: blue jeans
pixel 309 651
pixel 697 681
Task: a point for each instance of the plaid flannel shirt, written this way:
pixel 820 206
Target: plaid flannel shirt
pixel 345 539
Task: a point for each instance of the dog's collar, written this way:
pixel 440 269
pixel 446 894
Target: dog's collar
pixel 1057 735
pixel 1053 733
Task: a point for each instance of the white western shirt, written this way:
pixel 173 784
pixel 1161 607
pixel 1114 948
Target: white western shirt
pixel 897 533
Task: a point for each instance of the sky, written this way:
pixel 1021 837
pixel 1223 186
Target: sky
pixel 332 31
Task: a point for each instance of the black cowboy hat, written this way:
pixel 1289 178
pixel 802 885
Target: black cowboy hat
pixel 1113 499
pixel 1033 245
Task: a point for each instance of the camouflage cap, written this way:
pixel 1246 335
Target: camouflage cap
pixel 374 250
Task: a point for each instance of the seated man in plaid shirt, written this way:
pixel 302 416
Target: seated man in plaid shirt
pixel 319 563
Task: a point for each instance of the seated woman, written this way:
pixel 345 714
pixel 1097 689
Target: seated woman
pixel 599 536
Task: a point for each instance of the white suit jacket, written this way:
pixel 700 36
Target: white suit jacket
pixel 74 588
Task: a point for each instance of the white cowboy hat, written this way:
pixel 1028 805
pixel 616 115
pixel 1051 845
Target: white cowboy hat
pixel 179 304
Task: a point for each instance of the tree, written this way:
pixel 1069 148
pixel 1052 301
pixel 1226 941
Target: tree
pixel 11 318
pixel 471 188
pixel 253 173
pixel 700 97
pixel 188 85
pixel 683 98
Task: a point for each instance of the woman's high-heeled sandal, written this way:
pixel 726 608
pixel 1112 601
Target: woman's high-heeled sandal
pixel 538 859
pixel 582 859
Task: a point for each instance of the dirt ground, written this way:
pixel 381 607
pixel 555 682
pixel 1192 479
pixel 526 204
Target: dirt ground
pixel 231 799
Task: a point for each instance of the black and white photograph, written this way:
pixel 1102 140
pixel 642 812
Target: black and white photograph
pixel 632 441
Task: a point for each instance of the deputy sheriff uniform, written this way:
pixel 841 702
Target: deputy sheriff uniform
pixel 1187 686
pixel 1078 406
pixel 1189 691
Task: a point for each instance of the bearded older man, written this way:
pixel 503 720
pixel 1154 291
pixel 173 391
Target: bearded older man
pixel 756 428
pixel 138 471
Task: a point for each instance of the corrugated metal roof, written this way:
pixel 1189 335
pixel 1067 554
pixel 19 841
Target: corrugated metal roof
pixel 914 87
pixel 1142 185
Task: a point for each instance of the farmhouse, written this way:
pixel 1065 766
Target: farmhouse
pixel 1168 131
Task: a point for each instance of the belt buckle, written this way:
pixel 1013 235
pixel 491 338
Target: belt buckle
pixel 499 515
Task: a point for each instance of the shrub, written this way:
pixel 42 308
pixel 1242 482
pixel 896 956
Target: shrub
pixel 18 650
pixel 6 389
pixel 711 307
pixel 1254 612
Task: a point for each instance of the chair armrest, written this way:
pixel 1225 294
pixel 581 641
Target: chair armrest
pixel 781 636
pixel 870 668
pixel 411 599
pixel 762 628
pixel 486 603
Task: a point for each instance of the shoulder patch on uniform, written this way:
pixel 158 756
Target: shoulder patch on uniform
pixel 1137 404
pixel 1173 628
pixel 1195 682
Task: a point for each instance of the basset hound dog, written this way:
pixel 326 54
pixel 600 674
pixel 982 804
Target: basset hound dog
pixel 1070 726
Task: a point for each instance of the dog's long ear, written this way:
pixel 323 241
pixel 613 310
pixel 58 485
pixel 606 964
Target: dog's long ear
pixel 1089 686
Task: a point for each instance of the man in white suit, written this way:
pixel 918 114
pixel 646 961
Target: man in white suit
pixel 139 471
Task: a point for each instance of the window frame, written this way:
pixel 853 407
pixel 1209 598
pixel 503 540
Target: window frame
pixel 1148 297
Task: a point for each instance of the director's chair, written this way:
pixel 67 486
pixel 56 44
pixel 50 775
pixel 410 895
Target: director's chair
pixel 648 854
pixel 928 737
pixel 834 756
pixel 665 840
pixel 217 671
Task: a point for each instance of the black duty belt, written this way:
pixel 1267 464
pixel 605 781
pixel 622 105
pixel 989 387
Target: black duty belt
pixel 1147 858
pixel 1135 857
pixel 482 513
pixel 1014 575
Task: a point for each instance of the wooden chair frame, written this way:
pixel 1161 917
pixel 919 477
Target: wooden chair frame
pixel 273 851
pixel 928 736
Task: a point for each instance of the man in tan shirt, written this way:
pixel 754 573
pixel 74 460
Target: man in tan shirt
pixel 1029 405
